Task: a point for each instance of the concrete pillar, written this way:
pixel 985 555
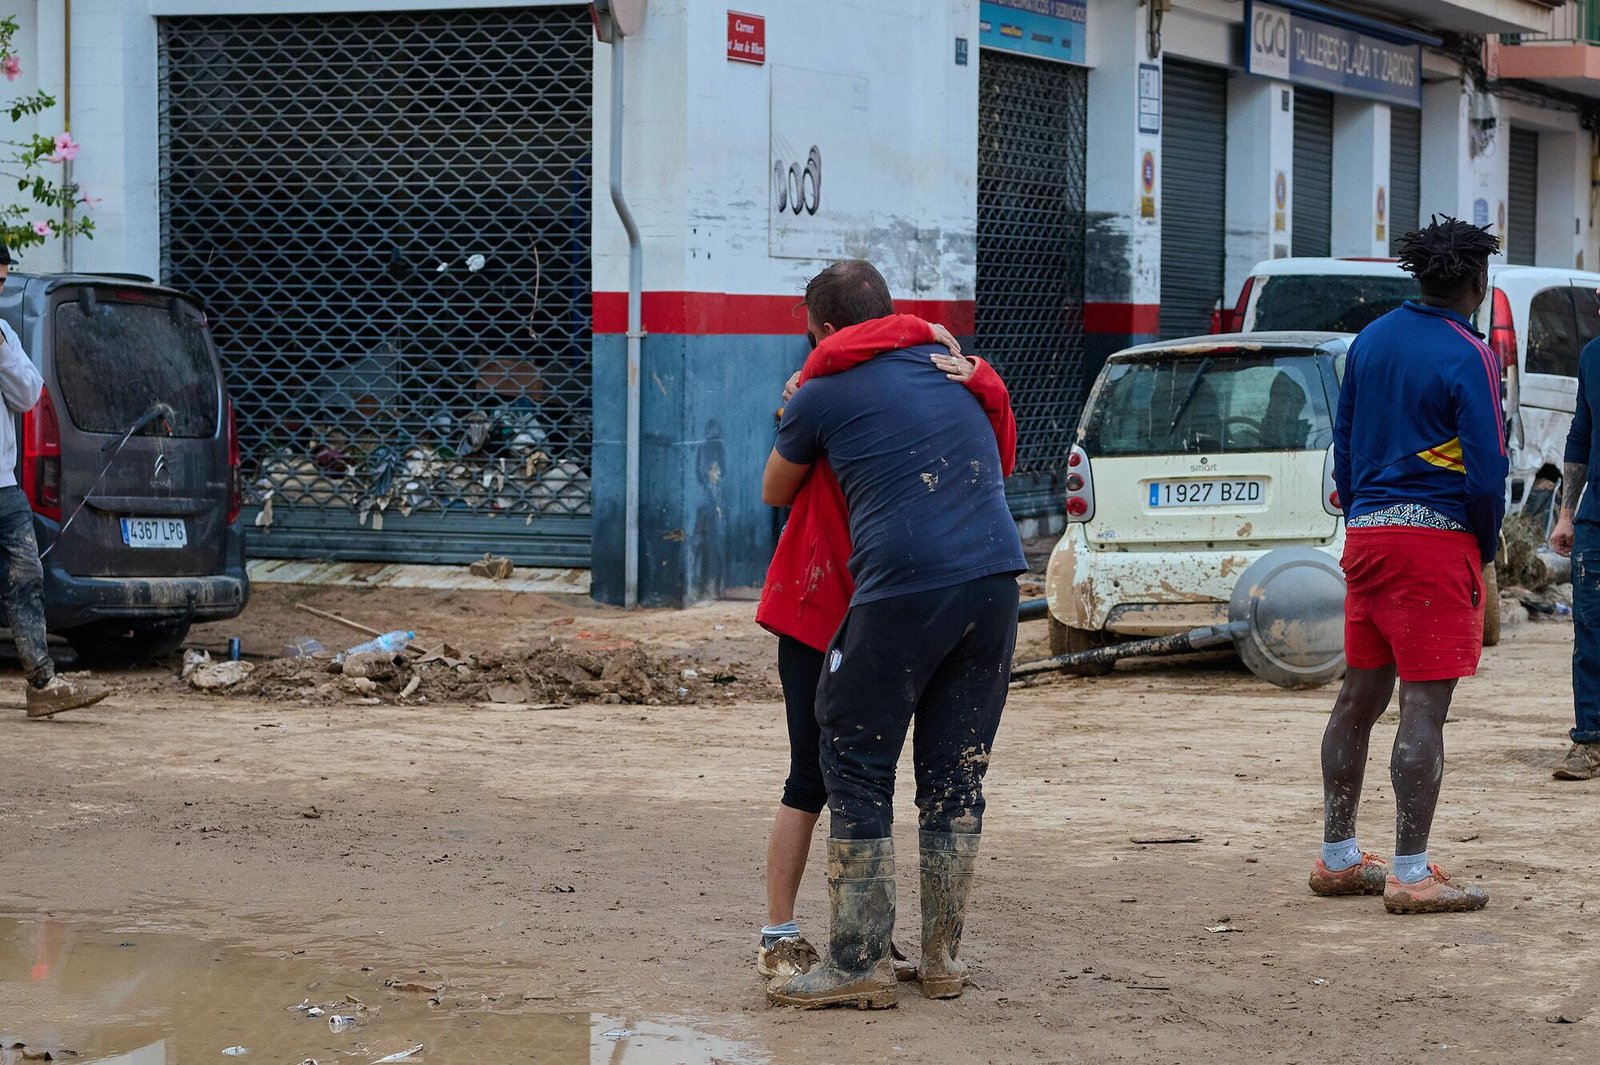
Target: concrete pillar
pixel 1122 279
pixel 1260 201
pixel 1563 199
pixel 1465 156
pixel 1360 178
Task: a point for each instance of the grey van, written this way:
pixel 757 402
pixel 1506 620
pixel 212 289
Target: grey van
pixel 130 461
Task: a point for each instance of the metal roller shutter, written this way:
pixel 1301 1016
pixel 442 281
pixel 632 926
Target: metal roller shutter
pixel 1032 125
pixel 1522 199
pixel 1312 200
pixel 1405 173
pixel 387 215
pixel 1194 144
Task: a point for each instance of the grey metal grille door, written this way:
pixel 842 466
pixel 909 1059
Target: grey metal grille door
pixel 1405 173
pixel 1031 143
pixel 387 216
pixel 1313 172
pixel 1194 157
pixel 1522 199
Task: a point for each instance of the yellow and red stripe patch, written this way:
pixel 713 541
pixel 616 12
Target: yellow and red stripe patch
pixel 1447 456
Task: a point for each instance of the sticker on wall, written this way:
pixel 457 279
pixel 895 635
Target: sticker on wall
pixel 1502 228
pixel 1280 198
pixel 1149 98
pixel 1147 185
pixel 809 217
pixel 1381 231
pixel 1480 212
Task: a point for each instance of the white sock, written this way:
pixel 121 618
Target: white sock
pixel 1409 868
pixel 1341 855
pixel 771 933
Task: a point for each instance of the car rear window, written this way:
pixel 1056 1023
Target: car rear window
pixel 1335 303
pixel 116 361
pixel 1213 404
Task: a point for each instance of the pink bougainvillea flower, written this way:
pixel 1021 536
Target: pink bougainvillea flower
pixel 11 66
pixel 91 202
pixel 66 148
pixel 44 229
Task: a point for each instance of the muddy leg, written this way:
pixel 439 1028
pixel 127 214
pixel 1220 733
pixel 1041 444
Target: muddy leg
pixel 1416 767
pixel 1362 700
pixel 22 578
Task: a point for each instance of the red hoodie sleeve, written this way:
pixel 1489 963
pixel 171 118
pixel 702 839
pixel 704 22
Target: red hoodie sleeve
pixel 855 344
pixel 985 383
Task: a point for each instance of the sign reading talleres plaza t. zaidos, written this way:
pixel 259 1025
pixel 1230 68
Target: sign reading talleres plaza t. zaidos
pixel 1295 47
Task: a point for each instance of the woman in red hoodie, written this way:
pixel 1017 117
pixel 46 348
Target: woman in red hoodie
pixel 805 598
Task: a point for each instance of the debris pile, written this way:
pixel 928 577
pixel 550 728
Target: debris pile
pixel 497 461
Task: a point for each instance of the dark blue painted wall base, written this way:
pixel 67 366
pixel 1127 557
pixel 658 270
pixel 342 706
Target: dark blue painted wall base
pixel 707 406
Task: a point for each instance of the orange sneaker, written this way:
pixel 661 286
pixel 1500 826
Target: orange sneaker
pixel 1366 877
pixel 1434 893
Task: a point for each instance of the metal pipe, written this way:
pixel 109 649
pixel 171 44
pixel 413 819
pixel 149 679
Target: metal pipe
pixel 67 182
pixel 1033 610
pixel 630 549
pixel 1200 639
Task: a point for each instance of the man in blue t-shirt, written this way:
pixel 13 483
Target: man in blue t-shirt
pixel 930 634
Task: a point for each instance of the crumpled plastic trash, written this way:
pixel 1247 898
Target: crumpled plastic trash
pixel 400 1055
pixel 340 1023
pixel 236 1052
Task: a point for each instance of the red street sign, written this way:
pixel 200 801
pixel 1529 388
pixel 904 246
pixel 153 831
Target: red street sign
pixel 747 38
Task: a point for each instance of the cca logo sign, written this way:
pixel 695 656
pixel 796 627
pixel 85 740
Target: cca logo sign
pixel 799 188
pixel 1269 34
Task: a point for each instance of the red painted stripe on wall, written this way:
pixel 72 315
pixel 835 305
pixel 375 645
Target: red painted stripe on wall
pixel 728 313
pixel 1133 319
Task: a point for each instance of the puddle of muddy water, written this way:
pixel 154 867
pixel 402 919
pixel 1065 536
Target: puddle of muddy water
pixel 93 994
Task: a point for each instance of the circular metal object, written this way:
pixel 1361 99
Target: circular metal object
pixel 1288 615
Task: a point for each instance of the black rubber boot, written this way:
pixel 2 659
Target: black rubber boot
pixel 858 970
pixel 947 862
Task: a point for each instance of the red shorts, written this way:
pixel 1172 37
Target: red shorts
pixel 1413 598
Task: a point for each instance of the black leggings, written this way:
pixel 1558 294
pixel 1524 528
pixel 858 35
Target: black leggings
pixel 799 669
pixel 943 656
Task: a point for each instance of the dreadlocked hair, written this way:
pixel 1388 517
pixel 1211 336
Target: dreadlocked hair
pixel 1446 254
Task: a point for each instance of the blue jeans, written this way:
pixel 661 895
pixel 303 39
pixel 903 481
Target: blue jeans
pixel 1586 632
pixel 22 585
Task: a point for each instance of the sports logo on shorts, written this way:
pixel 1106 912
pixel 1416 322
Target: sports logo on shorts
pixel 834 658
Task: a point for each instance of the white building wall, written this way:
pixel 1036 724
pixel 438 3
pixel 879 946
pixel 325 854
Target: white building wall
pixel 899 172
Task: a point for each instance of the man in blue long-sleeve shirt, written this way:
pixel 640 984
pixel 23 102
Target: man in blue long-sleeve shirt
pixel 1577 533
pixel 1420 462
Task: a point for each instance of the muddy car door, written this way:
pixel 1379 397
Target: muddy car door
pixel 135 397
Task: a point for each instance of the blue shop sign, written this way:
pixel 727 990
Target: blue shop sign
pixel 1048 29
pixel 1293 46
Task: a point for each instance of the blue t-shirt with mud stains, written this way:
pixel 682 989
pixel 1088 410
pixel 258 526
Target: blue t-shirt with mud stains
pixel 917 459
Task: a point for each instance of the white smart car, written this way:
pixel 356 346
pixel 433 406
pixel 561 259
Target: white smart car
pixel 1194 458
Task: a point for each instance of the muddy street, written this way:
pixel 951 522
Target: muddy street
pixel 583 883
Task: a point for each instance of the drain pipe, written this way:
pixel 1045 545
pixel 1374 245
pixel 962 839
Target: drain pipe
pixel 630 550
pixel 67 182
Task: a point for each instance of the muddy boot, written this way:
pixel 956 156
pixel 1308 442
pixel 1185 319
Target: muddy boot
pixel 947 862
pixel 858 971
pixel 61 694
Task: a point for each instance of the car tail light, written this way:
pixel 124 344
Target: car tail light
pixel 1330 490
pixel 41 458
pixel 1080 486
pixel 235 490
pixel 1502 330
pixel 1232 321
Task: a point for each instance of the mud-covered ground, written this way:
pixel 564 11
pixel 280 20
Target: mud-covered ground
pixel 607 857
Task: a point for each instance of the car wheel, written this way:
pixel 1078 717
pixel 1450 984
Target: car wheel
pixel 1066 640
pixel 127 643
pixel 1491 606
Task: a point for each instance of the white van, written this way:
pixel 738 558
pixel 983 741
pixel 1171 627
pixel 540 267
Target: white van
pixel 1537 319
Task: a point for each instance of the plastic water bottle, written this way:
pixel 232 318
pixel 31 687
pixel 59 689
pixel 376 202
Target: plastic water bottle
pixel 389 643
